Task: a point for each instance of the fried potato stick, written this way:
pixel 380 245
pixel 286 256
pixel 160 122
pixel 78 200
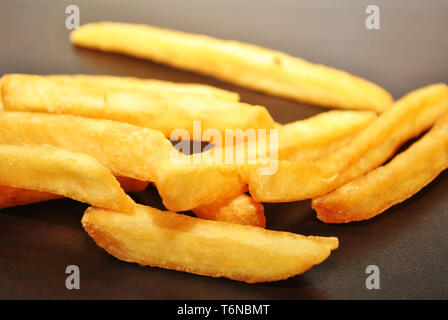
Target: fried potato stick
pixel 244 64
pixel 408 118
pixel 12 197
pixel 128 151
pixel 54 170
pixel 131 151
pixel 148 85
pixel 168 240
pixel 315 137
pixel 404 176
pixel 164 111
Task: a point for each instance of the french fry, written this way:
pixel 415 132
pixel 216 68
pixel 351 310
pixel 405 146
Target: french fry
pixel 293 181
pixel 218 249
pixel 404 176
pixel 313 138
pixel 244 64
pixel 122 148
pixel 164 111
pixel 186 186
pixel 54 170
pixel 148 85
pixel 303 140
pixel 144 154
pixel 241 209
pixel 12 197
pixel 128 151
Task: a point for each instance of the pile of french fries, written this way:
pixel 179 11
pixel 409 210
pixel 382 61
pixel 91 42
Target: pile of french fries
pixel 94 138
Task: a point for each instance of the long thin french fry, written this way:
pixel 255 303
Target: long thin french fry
pixel 218 249
pixel 147 85
pixel 164 111
pixel 54 170
pixel 372 194
pixel 248 65
pixel 313 138
pixel 293 181
pixel 12 197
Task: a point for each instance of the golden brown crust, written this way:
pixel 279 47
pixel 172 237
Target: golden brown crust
pixel 217 249
pixel 248 65
pixel 405 175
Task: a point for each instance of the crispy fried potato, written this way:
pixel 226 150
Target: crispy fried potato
pixel 164 111
pixel 293 181
pixel 185 186
pixel 217 249
pixel 241 209
pixel 303 140
pixel 122 148
pixel 11 197
pixel 148 85
pixel 74 175
pixel 128 151
pixel 404 176
pixel 248 65
pixel 313 138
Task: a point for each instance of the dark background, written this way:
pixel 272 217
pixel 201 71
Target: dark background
pixel 408 242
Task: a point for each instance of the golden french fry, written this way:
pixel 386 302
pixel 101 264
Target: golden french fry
pixel 148 85
pixel 248 65
pixel 128 151
pixel 164 111
pixel 185 186
pixel 74 175
pixel 217 249
pixel 11 197
pixel 122 148
pixel 293 181
pixel 303 140
pixel 312 138
pixel 372 194
pixel 241 209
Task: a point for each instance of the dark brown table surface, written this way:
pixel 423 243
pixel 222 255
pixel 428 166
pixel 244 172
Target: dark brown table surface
pixel 408 242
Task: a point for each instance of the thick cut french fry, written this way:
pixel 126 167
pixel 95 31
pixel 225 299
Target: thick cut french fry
pixel 144 154
pixel 372 194
pixel 128 151
pixel 185 186
pixel 11 197
pixel 122 148
pixel 74 175
pixel 248 65
pixel 148 85
pixel 241 209
pixel 159 110
pixel 311 139
pixel 303 140
pixel 293 181
pixel 218 249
